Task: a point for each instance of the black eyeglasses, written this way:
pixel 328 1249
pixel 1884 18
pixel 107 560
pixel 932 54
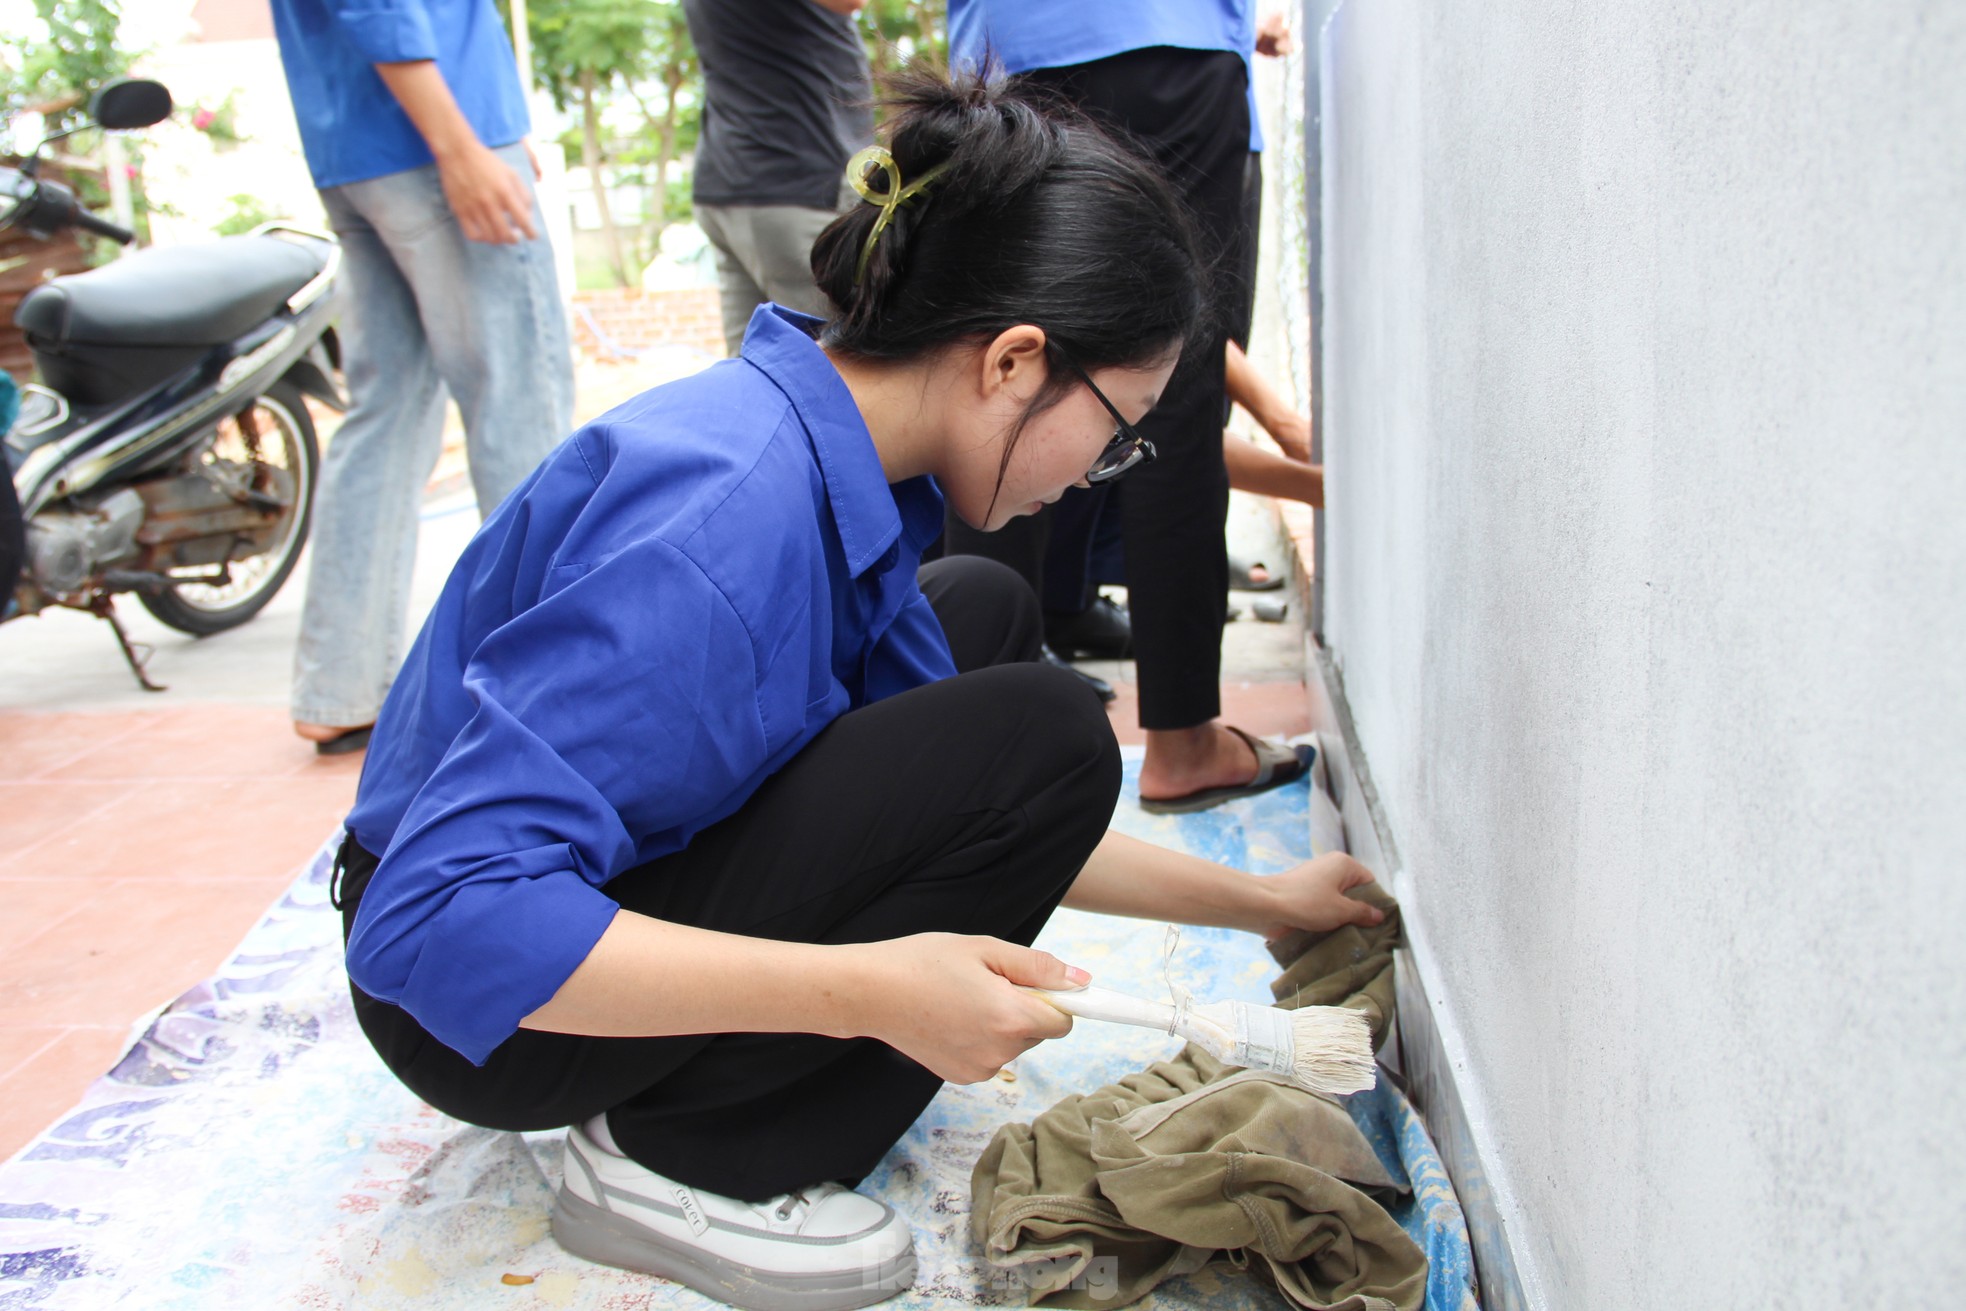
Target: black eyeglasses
pixel 1127 448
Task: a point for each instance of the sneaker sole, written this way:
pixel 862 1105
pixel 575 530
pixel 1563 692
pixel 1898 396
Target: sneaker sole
pixel 601 1236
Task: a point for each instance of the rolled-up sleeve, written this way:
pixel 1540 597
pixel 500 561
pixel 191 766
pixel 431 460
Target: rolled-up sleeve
pixel 388 31
pixel 623 702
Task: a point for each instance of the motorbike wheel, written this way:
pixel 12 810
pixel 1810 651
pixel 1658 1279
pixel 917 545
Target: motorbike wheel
pixel 286 440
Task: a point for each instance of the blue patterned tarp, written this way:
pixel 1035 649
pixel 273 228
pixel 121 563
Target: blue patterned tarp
pixel 249 1151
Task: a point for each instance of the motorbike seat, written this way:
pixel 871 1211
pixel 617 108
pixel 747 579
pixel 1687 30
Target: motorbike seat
pixel 177 296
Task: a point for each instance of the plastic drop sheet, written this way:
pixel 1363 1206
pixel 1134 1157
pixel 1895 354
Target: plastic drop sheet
pixel 250 1151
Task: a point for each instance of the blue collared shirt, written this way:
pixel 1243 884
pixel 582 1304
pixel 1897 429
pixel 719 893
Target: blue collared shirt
pixel 351 127
pixel 663 615
pixel 1023 35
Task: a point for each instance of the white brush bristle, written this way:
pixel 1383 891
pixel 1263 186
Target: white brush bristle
pixel 1326 1049
pixel 1331 1050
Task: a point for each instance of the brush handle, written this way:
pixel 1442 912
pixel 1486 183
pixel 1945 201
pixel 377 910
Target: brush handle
pixel 1096 1003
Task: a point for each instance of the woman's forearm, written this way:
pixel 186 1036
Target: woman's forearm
pixel 1126 876
pixel 953 1003
pixel 648 978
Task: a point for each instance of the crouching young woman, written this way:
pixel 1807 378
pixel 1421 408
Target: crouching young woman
pixel 705 821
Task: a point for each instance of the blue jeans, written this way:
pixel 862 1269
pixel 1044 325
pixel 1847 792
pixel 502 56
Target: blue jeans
pixel 426 312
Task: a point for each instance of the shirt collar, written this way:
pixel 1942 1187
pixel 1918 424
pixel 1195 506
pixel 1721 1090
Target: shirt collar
pixel 869 513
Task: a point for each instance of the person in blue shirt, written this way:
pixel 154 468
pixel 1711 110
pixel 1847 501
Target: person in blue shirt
pixel 705 820
pixel 413 122
pixel 1174 75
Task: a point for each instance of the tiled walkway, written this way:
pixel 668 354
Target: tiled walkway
pixel 136 849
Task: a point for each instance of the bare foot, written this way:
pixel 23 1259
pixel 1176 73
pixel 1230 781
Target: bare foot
pixel 1184 760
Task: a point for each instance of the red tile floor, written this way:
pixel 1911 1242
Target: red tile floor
pixel 137 848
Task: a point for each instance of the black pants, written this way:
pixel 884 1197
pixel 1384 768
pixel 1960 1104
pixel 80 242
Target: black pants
pixel 965 806
pixel 1189 109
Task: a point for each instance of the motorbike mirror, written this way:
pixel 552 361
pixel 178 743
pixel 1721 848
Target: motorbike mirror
pixel 130 102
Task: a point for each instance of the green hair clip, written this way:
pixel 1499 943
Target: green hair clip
pixel 890 198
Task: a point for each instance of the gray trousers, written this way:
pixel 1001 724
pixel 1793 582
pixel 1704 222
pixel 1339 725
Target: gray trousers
pixel 764 252
pixel 427 313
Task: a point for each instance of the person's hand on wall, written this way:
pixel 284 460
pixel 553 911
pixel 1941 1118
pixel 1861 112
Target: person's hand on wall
pixel 1312 896
pixel 491 201
pixel 1273 35
pixel 952 1002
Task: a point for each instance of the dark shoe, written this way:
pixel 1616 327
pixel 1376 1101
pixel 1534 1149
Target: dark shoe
pixel 1101 631
pixel 1093 681
pixel 345 744
pixel 1275 766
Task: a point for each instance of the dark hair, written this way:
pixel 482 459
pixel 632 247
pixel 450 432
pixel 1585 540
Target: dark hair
pixel 1039 217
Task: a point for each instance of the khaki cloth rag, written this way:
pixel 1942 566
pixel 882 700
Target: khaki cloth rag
pixel 1109 1194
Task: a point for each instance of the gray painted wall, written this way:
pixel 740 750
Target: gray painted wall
pixel 1646 430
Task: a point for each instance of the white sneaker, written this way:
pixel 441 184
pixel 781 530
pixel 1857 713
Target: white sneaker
pixel 824 1248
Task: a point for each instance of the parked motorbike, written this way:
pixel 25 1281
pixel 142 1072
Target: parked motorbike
pixel 167 450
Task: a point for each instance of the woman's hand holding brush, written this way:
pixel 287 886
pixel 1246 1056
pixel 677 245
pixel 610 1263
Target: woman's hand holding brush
pixel 957 1004
pixel 1327 1049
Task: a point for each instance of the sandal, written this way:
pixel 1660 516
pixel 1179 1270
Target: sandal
pixel 345 744
pixel 1276 765
pixel 1242 576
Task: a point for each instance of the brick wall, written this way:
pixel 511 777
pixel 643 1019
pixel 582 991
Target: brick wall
pixel 632 320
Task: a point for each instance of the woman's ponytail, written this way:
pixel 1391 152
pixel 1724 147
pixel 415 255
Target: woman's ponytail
pixel 1025 213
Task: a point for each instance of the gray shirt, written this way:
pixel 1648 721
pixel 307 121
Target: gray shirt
pixel 786 101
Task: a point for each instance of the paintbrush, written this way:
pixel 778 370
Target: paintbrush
pixel 1327 1049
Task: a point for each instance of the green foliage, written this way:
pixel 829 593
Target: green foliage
pixel 79 53
pixel 591 273
pixel 593 42
pixel 53 71
pixel 643 149
pixel 597 58
pixel 248 212
pixel 678 205
pixel 899 31
pixel 218 122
